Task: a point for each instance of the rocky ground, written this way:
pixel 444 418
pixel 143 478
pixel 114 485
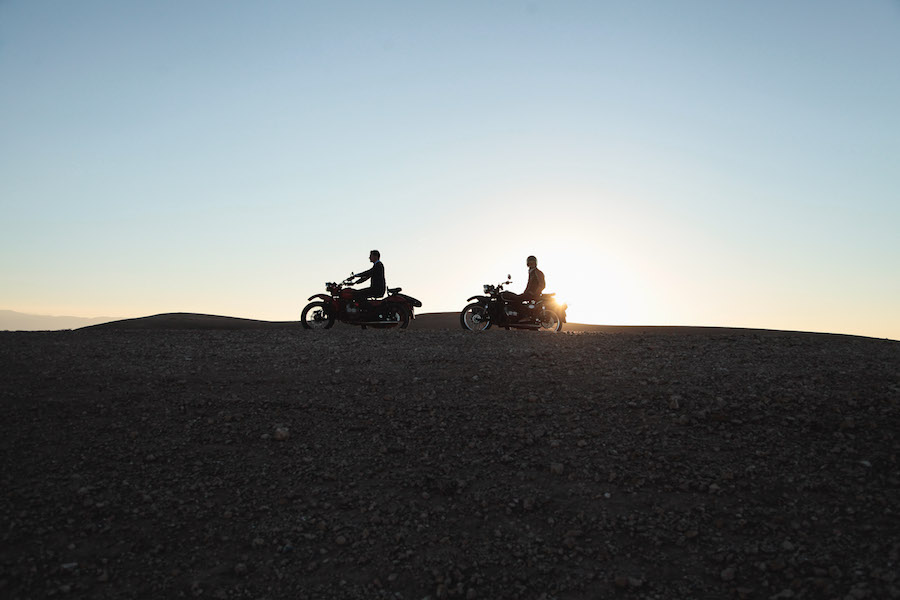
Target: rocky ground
pixel 284 463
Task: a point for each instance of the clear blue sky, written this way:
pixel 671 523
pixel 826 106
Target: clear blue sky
pixel 679 162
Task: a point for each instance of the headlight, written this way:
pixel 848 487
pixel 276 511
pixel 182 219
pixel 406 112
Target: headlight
pixel 487 289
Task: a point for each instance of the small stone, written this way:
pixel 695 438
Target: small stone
pixel 556 468
pixel 240 569
pixel 281 433
pixel 858 593
pixel 340 540
pixel 727 574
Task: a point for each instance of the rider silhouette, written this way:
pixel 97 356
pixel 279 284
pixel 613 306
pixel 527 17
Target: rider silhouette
pixel 533 289
pixel 375 274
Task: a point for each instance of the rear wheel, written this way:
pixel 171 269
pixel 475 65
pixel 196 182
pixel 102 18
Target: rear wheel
pixel 475 317
pixel 401 314
pixel 397 316
pixel 317 315
pixel 550 321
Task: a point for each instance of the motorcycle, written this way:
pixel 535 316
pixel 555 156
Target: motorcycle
pixel 341 304
pixel 496 307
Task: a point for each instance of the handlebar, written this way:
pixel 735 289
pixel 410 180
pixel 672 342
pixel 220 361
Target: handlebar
pixel 488 288
pixel 348 281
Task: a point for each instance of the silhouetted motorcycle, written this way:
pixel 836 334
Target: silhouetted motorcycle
pixel 395 310
pixel 496 307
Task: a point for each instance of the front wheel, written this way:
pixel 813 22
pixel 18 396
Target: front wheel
pixel 550 321
pixel 317 315
pixel 475 317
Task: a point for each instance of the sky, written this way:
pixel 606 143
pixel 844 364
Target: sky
pixel 690 162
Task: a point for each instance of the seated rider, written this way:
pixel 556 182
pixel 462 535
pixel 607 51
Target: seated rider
pixel 533 289
pixel 376 275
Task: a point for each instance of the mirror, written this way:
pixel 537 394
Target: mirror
pixel 508 276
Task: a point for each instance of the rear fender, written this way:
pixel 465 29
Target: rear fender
pixel 409 300
pixel 559 309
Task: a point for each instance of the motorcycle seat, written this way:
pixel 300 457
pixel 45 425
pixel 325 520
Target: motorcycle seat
pixel 394 290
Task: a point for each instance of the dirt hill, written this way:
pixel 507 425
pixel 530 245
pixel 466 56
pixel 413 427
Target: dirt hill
pixel 446 320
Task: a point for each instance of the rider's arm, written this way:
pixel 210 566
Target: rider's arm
pixel 364 276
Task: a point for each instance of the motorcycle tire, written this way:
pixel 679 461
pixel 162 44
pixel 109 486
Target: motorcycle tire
pixel 401 314
pixel 317 315
pixel 475 317
pixel 550 321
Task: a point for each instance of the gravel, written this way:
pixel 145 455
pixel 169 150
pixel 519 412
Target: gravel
pixel 444 464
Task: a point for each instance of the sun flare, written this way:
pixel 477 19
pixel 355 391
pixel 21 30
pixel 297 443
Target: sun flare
pixel 597 288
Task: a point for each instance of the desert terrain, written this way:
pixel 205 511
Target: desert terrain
pixel 191 456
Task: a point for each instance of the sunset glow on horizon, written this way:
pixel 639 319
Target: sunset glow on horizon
pixel 692 163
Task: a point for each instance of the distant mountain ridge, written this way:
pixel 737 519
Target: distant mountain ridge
pixel 11 320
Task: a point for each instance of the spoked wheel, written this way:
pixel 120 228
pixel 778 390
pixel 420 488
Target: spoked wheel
pixel 397 316
pixel 475 317
pixel 550 321
pixel 317 315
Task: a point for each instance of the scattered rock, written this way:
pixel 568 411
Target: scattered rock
pixel 767 455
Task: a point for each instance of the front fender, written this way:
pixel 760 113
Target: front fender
pixel 480 298
pixel 325 297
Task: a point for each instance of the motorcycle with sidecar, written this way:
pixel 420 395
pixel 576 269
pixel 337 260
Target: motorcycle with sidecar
pixel 343 304
pixel 497 307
